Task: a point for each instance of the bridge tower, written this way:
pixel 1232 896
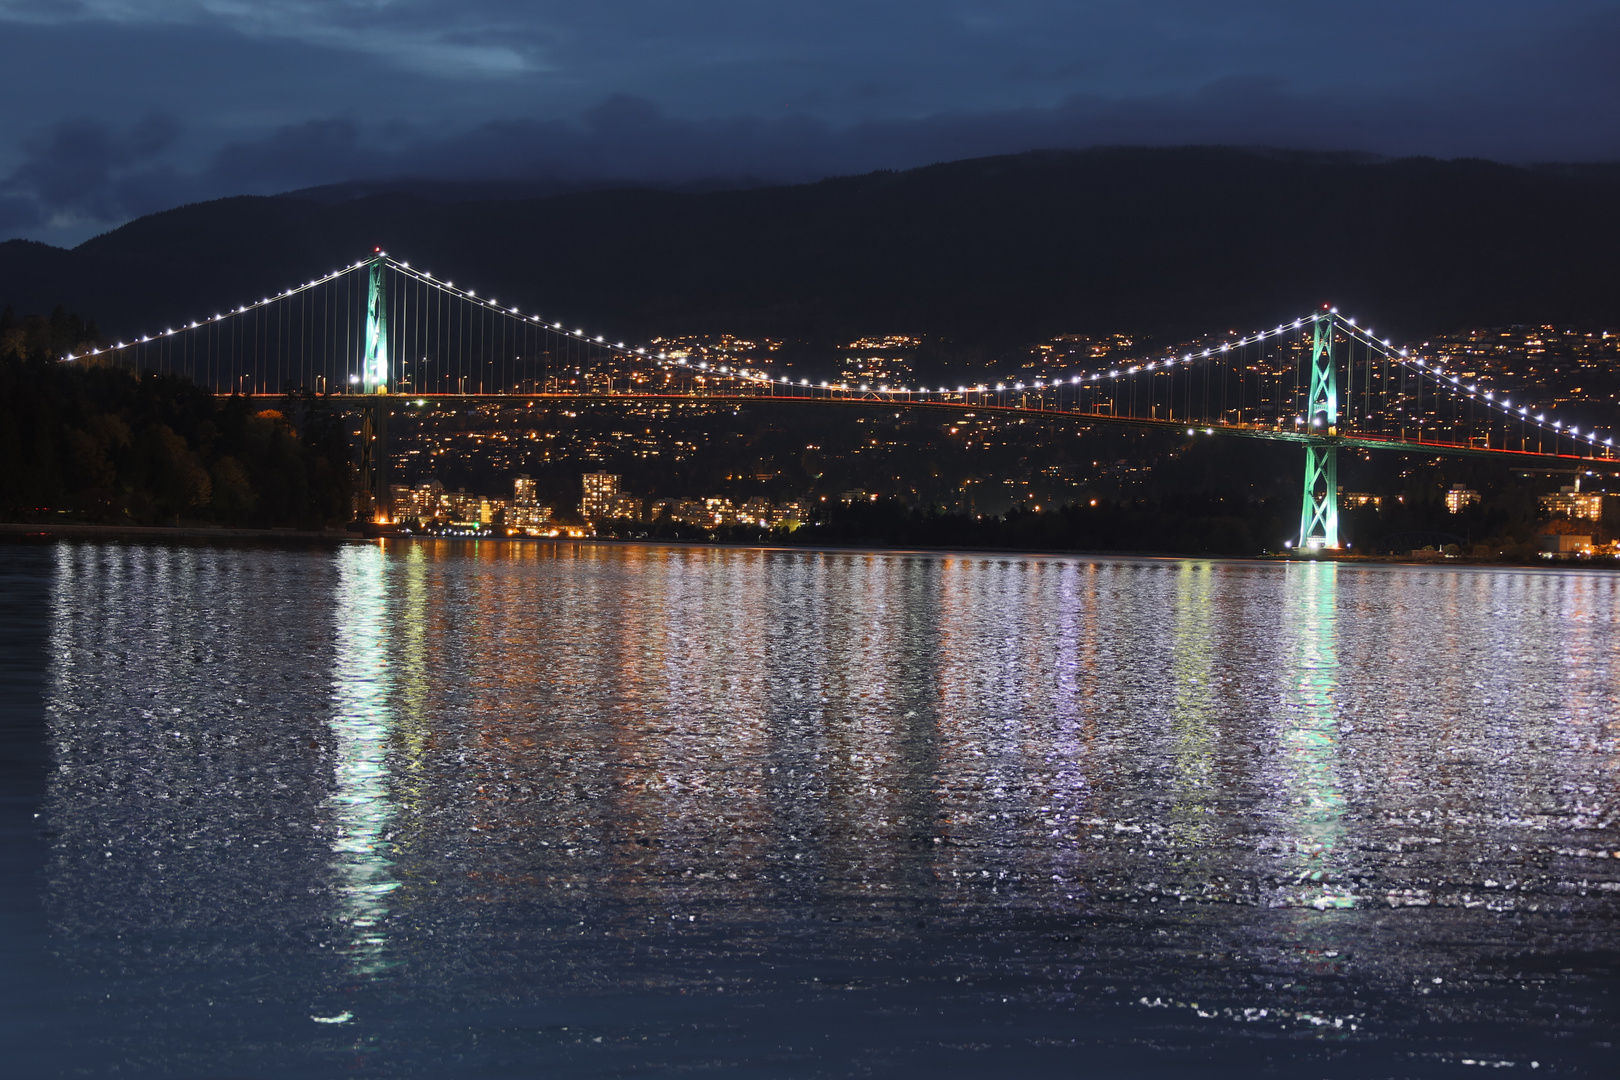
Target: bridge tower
pixel 374 382
pixel 1319 509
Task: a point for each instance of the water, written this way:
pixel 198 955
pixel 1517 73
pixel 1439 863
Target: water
pixel 520 810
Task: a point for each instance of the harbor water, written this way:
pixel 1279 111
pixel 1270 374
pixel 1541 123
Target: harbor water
pixel 509 809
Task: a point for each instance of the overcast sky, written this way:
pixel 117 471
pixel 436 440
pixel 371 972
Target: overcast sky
pixel 115 108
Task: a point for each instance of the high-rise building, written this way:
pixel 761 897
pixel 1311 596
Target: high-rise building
pixel 599 490
pixel 524 491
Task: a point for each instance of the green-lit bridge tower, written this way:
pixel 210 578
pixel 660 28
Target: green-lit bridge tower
pixel 374 382
pixel 1319 510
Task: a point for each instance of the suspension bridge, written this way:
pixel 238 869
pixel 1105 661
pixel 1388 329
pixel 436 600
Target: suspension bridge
pixel 380 335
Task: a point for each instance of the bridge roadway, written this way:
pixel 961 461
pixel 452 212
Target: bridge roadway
pixel 955 403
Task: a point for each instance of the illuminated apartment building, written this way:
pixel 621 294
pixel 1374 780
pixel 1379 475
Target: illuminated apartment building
pixel 1355 500
pixel 527 517
pixel 1571 503
pixel 599 488
pixel 1460 497
pixel 524 492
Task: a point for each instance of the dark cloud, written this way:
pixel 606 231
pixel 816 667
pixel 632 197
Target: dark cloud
pixel 87 169
pixel 629 138
pixel 299 155
pixel 285 94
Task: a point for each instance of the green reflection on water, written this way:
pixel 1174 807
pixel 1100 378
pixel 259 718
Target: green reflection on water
pixel 362 803
pixel 1311 739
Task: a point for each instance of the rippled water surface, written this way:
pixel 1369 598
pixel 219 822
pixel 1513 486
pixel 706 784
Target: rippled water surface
pixel 522 810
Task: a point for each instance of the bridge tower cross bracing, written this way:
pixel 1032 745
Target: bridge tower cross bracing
pixel 374 381
pixel 1319 509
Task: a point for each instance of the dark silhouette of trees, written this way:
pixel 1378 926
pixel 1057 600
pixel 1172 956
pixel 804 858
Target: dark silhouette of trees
pixel 103 445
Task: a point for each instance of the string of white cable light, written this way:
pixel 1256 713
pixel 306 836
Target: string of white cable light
pixel 197 324
pixel 1453 384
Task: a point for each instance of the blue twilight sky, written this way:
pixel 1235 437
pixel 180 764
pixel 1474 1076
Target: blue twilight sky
pixel 114 108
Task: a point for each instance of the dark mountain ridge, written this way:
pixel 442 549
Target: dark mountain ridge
pixel 984 253
pixel 452 191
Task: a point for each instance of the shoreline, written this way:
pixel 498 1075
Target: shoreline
pixel 1027 553
pixel 79 531
pixel 1067 553
pixel 20 531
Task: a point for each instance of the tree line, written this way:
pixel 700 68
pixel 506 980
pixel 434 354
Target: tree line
pixel 99 444
pixel 1177 526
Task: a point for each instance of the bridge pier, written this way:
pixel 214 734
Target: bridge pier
pixel 1319 508
pixel 373 478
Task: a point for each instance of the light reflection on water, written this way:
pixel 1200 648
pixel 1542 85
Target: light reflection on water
pixel 1312 741
pixel 362 733
pixel 717 805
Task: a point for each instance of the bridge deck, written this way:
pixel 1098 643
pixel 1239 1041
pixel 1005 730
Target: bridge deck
pixel 957 403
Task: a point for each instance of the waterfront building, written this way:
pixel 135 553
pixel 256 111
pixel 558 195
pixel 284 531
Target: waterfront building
pixel 789 514
pixel 1563 545
pixel 717 511
pixel 458 506
pixel 598 489
pixel 756 511
pixel 420 502
pixel 530 516
pixel 524 491
pixel 687 511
